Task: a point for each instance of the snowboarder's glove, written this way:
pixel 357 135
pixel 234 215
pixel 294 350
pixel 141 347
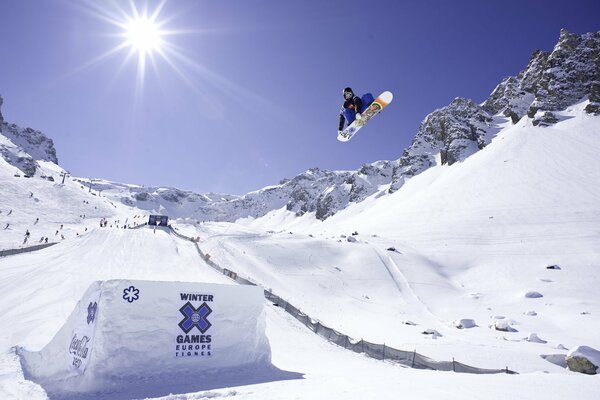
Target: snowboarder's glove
pixel 358 116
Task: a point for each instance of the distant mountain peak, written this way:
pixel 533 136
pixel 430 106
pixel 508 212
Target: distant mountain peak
pixel 23 147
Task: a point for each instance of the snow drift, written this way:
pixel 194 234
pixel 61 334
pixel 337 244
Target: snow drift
pixel 124 331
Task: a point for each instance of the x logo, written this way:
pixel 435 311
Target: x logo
pixel 92 309
pixel 195 317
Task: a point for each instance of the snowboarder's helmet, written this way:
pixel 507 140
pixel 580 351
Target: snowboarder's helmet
pixel 348 93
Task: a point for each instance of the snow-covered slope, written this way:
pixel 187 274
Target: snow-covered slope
pixel 51 209
pixel 470 241
pixel 40 290
pixel 473 241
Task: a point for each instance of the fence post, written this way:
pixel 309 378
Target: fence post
pixel 383 352
pixel 453 365
pixel 413 360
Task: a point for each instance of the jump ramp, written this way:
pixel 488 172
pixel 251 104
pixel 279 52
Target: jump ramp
pixel 142 338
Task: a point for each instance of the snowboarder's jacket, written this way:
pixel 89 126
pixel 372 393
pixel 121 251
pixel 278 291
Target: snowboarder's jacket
pixel 358 104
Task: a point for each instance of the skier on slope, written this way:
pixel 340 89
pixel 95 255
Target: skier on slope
pixel 353 107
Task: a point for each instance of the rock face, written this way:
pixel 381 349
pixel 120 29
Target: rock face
pixel 552 81
pixel 455 132
pixel 594 106
pixel 571 69
pixel 23 147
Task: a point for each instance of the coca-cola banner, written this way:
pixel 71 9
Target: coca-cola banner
pixel 82 336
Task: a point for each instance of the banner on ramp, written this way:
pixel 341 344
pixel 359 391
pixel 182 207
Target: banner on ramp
pixel 124 330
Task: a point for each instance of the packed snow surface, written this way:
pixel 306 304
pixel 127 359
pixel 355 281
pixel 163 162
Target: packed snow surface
pixel 464 242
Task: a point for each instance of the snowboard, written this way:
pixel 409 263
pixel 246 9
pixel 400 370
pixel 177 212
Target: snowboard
pixel 377 105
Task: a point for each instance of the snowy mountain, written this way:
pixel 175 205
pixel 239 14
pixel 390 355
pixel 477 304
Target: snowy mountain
pixel 551 82
pixel 314 191
pixel 24 147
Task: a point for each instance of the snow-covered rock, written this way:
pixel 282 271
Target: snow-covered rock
pixel 432 333
pixel 502 325
pixel 584 359
pixel 464 323
pixel 534 338
pixel 533 295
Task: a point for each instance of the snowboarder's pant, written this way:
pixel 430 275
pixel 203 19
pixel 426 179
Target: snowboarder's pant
pixel 350 114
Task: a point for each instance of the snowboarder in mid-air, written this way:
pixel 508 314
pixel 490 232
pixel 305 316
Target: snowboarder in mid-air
pixel 357 111
pixel 353 107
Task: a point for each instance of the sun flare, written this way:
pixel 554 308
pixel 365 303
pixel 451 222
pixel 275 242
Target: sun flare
pixel 143 34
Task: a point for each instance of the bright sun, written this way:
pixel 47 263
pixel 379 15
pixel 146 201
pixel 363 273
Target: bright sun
pixel 143 34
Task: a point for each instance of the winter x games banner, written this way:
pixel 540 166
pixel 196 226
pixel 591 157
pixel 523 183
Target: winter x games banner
pixel 122 330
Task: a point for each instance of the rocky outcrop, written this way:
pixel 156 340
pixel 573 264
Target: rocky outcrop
pixel 31 141
pixel 594 105
pixel 552 81
pixel 514 95
pixel 455 132
pixel 571 70
pixel 23 147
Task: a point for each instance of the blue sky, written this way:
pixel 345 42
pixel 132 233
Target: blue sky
pixel 251 90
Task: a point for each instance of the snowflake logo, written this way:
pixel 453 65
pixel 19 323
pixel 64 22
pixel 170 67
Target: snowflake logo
pixel 131 294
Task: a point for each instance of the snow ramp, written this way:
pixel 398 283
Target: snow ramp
pixel 134 338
